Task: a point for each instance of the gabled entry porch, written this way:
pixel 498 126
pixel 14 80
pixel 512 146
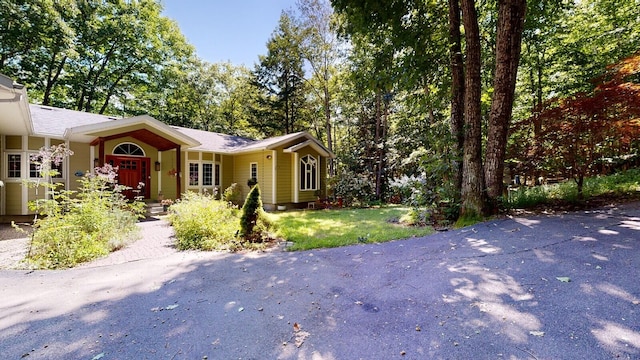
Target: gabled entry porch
pixel 137 146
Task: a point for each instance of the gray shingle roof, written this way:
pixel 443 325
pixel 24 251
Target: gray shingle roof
pixel 210 141
pixel 53 121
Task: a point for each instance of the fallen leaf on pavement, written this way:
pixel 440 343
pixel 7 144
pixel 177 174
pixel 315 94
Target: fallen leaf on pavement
pixel 537 333
pixel 563 279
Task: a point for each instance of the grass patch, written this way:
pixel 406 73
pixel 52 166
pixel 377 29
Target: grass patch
pixel 340 227
pixel 623 185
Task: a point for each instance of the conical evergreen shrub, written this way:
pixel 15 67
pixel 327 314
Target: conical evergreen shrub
pixel 253 222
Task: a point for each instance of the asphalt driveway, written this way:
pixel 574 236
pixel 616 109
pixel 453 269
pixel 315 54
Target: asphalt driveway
pixel 533 287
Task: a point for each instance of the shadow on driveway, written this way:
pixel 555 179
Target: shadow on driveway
pixel 539 287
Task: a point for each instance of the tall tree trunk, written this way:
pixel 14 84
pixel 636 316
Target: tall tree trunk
pixel 378 151
pixel 113 87
pixel 457 88
pixel 52 78
pixel 511 14
pixel 327 115
pixel 472 174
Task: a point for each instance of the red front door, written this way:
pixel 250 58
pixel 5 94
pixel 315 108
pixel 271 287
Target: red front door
pixel 131 172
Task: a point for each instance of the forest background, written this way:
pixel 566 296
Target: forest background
pixel 427 102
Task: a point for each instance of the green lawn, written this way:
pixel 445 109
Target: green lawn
pixel 311 229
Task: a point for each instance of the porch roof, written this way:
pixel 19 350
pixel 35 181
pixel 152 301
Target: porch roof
pixel 14 109
pixel 294 141
pixel 143 128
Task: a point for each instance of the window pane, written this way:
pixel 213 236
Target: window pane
pixel 58 168
pixel 14 166
pixel 193 174
pixel 254 171
pixel 35 166
pixel 313 177
pixel 128 149
pixel 207 174
pixel 308 172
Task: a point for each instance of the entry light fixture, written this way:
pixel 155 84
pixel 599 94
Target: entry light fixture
pixel 157 165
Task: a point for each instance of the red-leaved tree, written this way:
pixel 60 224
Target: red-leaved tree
pixel 584 134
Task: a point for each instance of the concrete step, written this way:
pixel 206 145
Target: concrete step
pixel 154 209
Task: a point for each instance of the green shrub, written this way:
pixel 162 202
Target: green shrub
pixel 79 227
pixel 625 183
pixel 232 194
pixel 203 223
pixel 254 224
pixel 355 189
pixel 416 217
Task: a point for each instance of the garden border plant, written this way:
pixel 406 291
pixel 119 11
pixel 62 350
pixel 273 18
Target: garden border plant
pixel 202 222
pixel 72 227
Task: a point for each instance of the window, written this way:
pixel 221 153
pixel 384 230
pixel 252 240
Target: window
pixel 14 166
pixel 207 174
pixel 308 173
pixel 253 172
pixel 128 149
pixel 35 165
pixel 193 174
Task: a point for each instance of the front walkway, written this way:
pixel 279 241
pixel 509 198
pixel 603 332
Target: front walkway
pixel 157 238
pixel 156 241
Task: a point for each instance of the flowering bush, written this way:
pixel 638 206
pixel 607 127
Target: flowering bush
pixel 355 189
pixel 410 189
pixel 81 226
pixel 166 202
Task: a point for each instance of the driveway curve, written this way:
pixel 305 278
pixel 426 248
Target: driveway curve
pixel 559 286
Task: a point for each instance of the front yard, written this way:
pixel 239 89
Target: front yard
pixel 310 229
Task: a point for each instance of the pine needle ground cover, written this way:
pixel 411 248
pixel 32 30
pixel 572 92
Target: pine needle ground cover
pixel 311 229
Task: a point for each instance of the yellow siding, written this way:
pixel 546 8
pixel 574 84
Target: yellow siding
pixel 35 143
pixel 242 174
pixel 207 156
pixel 194 156
pixel 226 168
pixel 284 178
pixel 80 161
pixel 13 142
pixel 167 164
pixel 13 201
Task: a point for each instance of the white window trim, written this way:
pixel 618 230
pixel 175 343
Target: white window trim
pixel 63 173
pixel 316 160
pixel 251 170
pixel 6 165
pixel 219 166
pixel 113 151
pixel 213 173
pixel 199 179
pixel 201 187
